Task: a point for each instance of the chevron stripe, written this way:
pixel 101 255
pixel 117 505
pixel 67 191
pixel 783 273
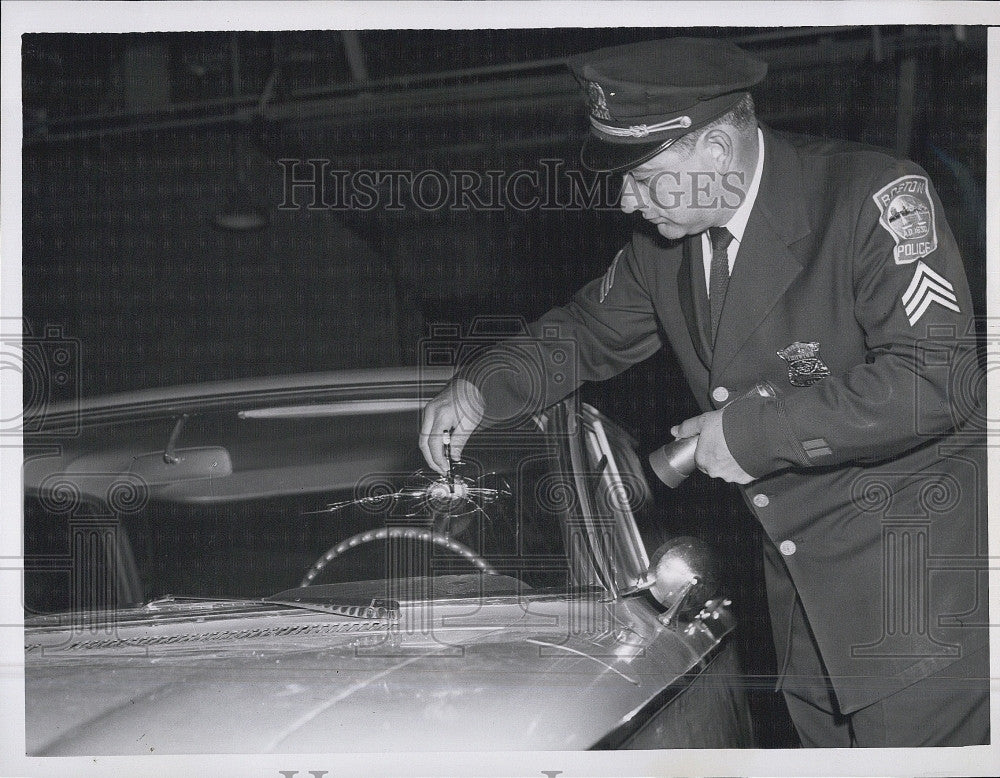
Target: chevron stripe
pixel 920 272
pixel 926 288
pixel 609 277
pixel 932 297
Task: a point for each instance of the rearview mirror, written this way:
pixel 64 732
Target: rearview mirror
pixel 186 464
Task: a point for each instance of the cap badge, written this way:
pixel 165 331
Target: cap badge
pixel 805 367
pixel 907 213
pixel 598 102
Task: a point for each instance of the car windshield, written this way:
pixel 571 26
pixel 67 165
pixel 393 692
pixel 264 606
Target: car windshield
pixel 324 497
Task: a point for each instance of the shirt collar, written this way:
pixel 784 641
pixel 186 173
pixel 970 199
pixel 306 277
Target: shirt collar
pixel 738 224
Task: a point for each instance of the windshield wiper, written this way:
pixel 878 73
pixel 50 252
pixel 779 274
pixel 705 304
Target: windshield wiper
pixel 375 608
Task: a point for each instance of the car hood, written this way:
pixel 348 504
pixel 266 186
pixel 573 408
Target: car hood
pixel 495 673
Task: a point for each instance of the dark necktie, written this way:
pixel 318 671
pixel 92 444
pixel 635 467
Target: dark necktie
pixel 718 277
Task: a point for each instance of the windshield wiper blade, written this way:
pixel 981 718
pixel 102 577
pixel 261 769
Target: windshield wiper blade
pixel 376 608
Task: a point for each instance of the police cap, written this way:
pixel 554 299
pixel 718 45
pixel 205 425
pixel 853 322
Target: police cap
pixel 644 96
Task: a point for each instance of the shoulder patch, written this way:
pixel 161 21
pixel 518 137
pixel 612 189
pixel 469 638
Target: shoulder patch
pixel 906 211
pixel 609 277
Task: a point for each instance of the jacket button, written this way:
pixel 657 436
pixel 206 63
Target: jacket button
pixel 760 500
pixel 720 394
pixel 787 547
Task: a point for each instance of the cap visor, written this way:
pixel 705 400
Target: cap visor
pixel 603 157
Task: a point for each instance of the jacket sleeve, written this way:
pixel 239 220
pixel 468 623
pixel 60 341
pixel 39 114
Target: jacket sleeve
pixel 608 325
pixel 920 376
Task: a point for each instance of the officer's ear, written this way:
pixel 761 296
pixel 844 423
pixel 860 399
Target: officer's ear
pixel 720 146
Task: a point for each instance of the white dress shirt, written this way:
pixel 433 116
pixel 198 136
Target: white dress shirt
pixel 738 224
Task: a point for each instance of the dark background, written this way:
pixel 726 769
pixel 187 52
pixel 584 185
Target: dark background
pixel 136 145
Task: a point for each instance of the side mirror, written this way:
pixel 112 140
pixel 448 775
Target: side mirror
pixel 684 575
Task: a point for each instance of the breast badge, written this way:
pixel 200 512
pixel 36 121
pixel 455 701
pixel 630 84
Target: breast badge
pixel 907 213
pixel 804 365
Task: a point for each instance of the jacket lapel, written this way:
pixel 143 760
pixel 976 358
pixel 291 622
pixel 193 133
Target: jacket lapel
pixel 691 292
pixel 766 265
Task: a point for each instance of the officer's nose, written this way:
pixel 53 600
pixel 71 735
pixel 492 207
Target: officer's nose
pixel 629 201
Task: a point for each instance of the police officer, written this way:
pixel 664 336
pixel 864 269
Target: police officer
pixel 818 306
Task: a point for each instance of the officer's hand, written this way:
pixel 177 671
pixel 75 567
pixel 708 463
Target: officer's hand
pixel 712 456
pixel 458 409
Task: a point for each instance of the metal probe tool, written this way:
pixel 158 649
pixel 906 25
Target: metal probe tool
pixel 447 455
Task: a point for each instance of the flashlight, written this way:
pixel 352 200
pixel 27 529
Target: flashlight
pixel 674 461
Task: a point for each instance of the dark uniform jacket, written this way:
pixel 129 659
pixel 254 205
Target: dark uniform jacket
pixel 870 474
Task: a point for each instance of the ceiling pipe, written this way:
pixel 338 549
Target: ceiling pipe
pixel 341 99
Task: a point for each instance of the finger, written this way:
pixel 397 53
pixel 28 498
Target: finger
pixel 432 439
pixel 460 436
pixel 699 458
pixel 468 413
pixel 704 459
pixel 426 448
pixel 689 428
pixel 683 430
pixel 426 425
